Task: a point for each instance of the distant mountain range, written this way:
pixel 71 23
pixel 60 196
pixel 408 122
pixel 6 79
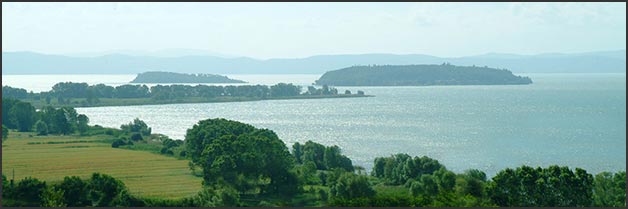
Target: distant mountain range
pixel 36 63
pixel 157 53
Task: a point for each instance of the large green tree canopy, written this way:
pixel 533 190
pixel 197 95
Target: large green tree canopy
pixel 242 156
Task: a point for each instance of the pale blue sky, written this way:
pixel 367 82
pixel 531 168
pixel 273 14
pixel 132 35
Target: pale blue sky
pixel 289 30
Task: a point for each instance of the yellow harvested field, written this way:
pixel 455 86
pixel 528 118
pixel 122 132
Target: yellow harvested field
pixel 50 158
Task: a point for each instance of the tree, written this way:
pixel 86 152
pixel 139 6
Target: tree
pixel 91 97
pixel 206 131
pixel 333 159
pixel 124 199
pixel 446 179
pixel 314 152
pixel 70 89
pixel 350 186
pixel 62 122
pixel 427 185
pixel 6 188
pixel 103 189
pixel 136 137
pixel 29 191
pixel 41 128
pixel 297 152
pixel 311 90
pixel 15 93
pixel 471 182
pixel 52 197
pixel 7 104
pixel 400 168
pixel 47 115
pixel 347 92
pixel 546 187
pixel 218 197
pixel 283 89
pixel 82 126
pixel 137 126
pixel 5 133
pixel 102 91
pixel 131 91
pixel 22 114
pixel 117 143
pixel 74 191
pixel 234 153
pixel 326 90
pixel 609 190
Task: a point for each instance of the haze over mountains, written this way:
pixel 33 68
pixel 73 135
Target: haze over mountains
pixel 190 61
pixel 156 53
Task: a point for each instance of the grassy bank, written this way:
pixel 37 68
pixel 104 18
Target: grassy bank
pixel 50 158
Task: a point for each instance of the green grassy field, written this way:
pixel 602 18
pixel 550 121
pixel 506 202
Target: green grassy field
pixel 50 158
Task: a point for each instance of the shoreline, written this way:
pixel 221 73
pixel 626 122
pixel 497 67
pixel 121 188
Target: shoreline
pixel 109 102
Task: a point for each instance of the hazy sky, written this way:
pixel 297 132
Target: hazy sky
pixel 287 30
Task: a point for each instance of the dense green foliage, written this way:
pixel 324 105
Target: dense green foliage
pixel 324 158
pixel 170 77
pixel 23 117
pixel 400 168
pixel 100 190
pixel 15 93
pixel 82 121
pixel 609 189
pixel 41 128
pixel 419 75
pixel 350 186
pixel 18 115
pixel 552 186
pixel 27 192
pixel 52 197
pixel 205 132
pixel 241 156
pixel 137 126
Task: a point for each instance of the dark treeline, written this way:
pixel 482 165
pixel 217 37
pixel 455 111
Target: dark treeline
pixel 100 190
pixel 62 93
pixel 22 116
pixel 242 165
pixel 420 75
pixel 170 77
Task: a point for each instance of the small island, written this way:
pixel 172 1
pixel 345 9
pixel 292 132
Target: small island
pixel 170 77
pixel 420 75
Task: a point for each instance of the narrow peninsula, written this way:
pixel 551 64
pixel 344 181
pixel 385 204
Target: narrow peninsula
pixel 420 75
pixel 170 77
pixel 69 94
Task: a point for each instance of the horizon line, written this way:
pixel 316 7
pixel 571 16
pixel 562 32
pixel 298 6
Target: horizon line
pixel 263 59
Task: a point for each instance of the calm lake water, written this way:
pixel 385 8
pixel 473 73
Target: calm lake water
pixel 578 120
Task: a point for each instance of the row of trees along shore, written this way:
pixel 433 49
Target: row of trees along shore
pixel 63 93
pixel 242 165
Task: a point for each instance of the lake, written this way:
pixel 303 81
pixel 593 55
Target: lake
pixel 577 120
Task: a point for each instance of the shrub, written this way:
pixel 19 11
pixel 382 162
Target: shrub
pixel 117 143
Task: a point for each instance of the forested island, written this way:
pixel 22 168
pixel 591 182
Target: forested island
pixel 83 95
pixel 170 77
pixel 420 75
pixel 230 163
